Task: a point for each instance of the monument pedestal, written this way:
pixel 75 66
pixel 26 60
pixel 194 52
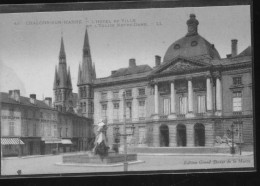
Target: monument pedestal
pixel 96 159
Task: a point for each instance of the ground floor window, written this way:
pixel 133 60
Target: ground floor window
pixel 199 134
pixel 129 137
pixel 181 135
pixel 164 136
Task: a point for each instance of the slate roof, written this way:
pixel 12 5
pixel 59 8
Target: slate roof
pixel 131 70
pixel 246 52
pixel 4 98
pixel 191 46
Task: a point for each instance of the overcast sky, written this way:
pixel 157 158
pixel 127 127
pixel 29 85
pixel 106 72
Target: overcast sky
pixel 29 49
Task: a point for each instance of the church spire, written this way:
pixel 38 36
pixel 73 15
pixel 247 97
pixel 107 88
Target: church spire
pixel 86 47
pixel 94 72
pixel 62 56
pixel 69 79
pixel 86 68
pixel 79 75
pixel 55 83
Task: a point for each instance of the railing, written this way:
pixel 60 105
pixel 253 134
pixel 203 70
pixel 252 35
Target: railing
pixel 200 114
pixel 141 118
pixel 163 117
pixel 237 113
pixel 180 115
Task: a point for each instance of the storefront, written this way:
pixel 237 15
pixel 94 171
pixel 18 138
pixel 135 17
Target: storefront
pixel 11 147
pixel 66 145
pixel 50 145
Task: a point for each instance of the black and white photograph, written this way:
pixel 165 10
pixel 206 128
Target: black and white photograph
pixel 117 91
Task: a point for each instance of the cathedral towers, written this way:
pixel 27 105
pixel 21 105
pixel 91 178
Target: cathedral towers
pixel 62 86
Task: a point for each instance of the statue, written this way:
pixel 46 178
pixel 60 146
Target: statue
pixel 100 144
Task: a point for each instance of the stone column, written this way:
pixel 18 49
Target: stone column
pixel 209 94
pixel 156 102
pixel 156 99
pixel 218 96
pixel 190 98
pixel 173 112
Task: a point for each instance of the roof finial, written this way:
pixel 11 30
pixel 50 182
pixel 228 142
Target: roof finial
pixel 192 25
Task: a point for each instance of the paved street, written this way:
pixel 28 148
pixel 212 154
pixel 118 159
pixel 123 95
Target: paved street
pixel 46 164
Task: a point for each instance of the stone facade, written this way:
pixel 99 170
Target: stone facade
pixel 39 127
pixel 190 99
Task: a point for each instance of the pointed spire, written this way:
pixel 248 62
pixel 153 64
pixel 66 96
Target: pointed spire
pixel 86 68
pixel 86 40
pixel 69 79
pixel 62 55
pixel 55 78
pixel 79 74
pixel 94 72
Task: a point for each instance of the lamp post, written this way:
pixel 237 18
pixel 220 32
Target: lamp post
pixel 125 145
pixel 124 134
pixel 232 134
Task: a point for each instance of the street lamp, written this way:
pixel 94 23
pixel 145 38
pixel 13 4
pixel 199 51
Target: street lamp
pixel 117 133
pixel 232 134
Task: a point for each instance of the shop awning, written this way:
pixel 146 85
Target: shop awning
pixel 48 141
pixel 66 141
pixel 11 141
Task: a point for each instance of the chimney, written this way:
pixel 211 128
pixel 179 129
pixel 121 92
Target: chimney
pixel 132 63
pixel 48 101
pixel 157 60
pixel 15 95
pixel 11 94
pixel 233 47
pixel 33 98
pixel 113 72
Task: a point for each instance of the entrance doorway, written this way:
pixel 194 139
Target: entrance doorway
pixel 199 134
pixel 181 135
pixel 164 136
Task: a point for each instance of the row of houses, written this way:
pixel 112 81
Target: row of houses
pixel 32 127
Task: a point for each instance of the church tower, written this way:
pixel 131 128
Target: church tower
pixel 62 86
pixel 86 75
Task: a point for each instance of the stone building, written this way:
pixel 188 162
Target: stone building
pixel 190 98
pixel 31 127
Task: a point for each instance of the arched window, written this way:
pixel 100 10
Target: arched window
pixel 199 134
pixel 164 136
pixel 181 135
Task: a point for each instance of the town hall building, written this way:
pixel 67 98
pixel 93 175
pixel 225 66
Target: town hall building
pixel 190 98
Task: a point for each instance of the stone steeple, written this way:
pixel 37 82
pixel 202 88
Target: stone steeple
pixel 62 86
pixel 62 56
pixel 94 72
pixel 86 75
pixel 56 79
pixel 86 67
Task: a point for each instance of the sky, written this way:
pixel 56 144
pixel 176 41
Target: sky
pixel 30 42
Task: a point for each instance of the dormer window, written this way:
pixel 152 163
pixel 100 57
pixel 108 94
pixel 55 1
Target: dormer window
pixel 177 46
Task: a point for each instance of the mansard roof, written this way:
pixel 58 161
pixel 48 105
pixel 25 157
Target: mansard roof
pixel 4 97
pixel 131 70
pixel 246 52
